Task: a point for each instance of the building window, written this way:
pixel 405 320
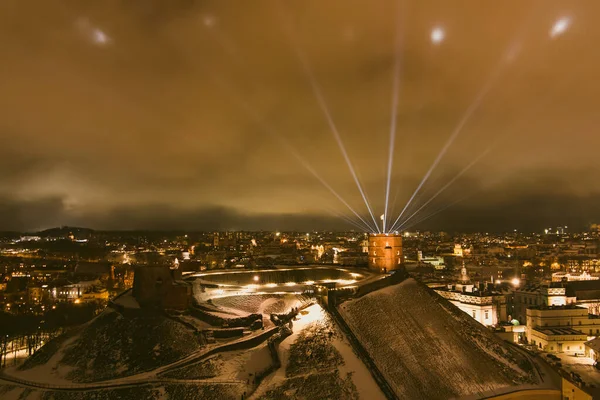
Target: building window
pixel 590 332
pixel 487 314
pixel 579 322
pixel 474 314
pixel 568 347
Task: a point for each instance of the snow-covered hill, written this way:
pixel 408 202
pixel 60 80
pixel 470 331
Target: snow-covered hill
pixel 426 348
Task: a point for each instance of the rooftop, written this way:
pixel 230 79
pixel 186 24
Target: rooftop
pixel 563 307
pixel 559 331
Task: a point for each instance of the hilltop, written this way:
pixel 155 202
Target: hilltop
pixel 111 346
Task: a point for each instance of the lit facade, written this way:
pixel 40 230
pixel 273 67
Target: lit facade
pixel 385 251
pixel 487 308
pixel 561 328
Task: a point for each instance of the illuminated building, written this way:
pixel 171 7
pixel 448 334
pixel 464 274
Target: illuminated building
pixel 436 261
pixel 385 251
pixel 485 306
pixel 458 251
pixel 561 328
pixel 566 276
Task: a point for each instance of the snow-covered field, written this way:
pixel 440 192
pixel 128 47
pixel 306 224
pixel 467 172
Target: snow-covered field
pixel 427 349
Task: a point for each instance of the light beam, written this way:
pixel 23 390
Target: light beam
pixel 394 116
pixel 267 129
pixel 465 169
pixel 325 109
pixel 474 105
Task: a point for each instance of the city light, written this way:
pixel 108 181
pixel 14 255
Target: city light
pixel 515 281
pixel 256 278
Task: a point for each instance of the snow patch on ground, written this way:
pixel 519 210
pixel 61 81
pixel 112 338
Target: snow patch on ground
pixel 316 362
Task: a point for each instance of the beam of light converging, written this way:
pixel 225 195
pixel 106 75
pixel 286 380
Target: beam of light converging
pixel 302 57
pixel 465 169
pixel 546 100
pixel 394 118
pixel 559 27
pixel 325 109
pixel 346 218
pixel 510 54
pixel 230 50
pixel 437 35
pixel 457 130
pixel 271 132
pixel 447 206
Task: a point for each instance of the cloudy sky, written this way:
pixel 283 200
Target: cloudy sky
pixel 125 114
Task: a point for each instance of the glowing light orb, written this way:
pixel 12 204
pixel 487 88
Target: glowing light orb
pixel 209 21
pixel 99 37
pixel 437 35
pixel 560 26
pixel 256 278
pixel 516 281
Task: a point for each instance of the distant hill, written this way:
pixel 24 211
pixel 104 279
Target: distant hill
pixel 64 231
pixel 427 348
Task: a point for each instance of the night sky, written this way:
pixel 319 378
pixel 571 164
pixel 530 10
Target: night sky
pixel 182 114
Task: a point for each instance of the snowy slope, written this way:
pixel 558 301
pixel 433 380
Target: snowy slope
pixel 111 346
pixel 426 348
